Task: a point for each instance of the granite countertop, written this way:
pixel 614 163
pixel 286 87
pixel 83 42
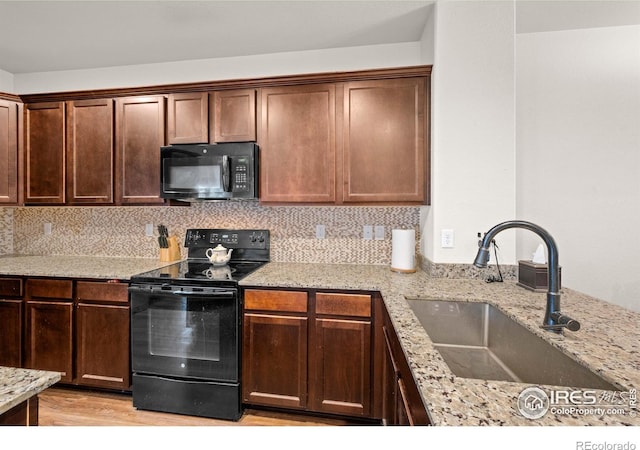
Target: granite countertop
pixel 77 266
pixel 608 342
pixel 19 385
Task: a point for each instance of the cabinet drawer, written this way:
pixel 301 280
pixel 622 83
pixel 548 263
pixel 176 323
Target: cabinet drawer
pixel 102 291
pixel 358 305
pixel 288 301
pixel 10 287
pixel 50 289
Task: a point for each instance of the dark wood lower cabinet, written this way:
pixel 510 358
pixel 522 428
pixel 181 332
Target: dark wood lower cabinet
pixel 275 367
pixel 79 328
pixel 49 326
pixel 11 332
pixel 26 413
pixel 402 402
pixel 102 328
pixel 309 350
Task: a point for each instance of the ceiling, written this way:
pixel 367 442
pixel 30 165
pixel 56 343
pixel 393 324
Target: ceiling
pixel 42 36
pixel 38 36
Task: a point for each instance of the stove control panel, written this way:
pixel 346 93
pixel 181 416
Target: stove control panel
pixel 247 239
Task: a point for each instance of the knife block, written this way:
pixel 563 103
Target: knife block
pixel 172 253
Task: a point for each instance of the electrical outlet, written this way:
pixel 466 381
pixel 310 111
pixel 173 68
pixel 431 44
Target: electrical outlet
pixel 367 232
pixel 47 228
pixel 148 229
pixel 379 232
pixel 447 238
pixel 320 232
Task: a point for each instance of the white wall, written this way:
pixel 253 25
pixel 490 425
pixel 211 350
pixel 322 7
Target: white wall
pixel 473 131
pixel 290 63
pixel 578 154
pixel 6 82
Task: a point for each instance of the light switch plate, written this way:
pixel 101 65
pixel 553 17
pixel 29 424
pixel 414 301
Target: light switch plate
pixel 47 228
pixel 320 232
pixel 148 229
pixel 379 232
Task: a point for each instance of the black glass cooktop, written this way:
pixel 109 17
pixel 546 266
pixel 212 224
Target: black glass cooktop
pixel 197 272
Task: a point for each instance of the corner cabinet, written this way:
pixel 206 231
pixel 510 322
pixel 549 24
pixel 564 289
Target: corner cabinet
pixel 309 351
pixel 10 167
pixel 385 151
pixel 401 400
pixel 140 132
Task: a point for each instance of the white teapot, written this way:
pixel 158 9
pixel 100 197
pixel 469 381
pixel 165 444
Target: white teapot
pixel 219 256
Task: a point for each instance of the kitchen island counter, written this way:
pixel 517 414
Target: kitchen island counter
pixel 77 266
pixel 19 385
pixel 608 343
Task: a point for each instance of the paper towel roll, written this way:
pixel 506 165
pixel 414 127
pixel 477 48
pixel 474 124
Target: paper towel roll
pixel 403 249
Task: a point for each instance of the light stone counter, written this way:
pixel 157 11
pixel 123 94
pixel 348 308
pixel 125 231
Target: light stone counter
pixel 608 342
pixel 77 266
pixel 19 385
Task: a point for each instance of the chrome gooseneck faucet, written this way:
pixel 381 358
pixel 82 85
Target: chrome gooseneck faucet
pixel 554 320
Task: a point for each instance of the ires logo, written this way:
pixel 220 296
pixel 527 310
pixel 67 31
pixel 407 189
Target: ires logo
pixel 573 397
pixel 535 403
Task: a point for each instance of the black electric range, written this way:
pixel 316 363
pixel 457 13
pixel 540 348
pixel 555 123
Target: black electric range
pixel 186 326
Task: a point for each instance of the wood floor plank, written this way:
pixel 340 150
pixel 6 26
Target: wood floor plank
pixel 74 407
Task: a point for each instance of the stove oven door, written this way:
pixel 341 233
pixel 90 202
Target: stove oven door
pixel 185 331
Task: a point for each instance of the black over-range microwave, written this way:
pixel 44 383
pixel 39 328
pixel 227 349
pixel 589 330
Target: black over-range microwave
pixel 227 171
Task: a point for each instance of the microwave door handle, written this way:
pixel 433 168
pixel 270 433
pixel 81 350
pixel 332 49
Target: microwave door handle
pixel 226 174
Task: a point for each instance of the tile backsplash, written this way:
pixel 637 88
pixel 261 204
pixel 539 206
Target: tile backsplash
pixel 120 231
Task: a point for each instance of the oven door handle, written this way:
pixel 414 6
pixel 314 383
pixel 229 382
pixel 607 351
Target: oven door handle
pixel 217 295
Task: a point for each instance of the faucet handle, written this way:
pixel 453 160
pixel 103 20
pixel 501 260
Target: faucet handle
pixel 561 321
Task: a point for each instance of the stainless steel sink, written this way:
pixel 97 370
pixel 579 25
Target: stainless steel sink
pixel 477 340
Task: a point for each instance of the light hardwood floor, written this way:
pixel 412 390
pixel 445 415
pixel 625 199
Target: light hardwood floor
pixel 71 407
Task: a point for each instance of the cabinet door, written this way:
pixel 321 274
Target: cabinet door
pixel 45 155
pixel 188 118
pixel 384 141
pixel 297 144
pixel 103 346
pixel 274 368
pixel 90 152
pixel 140 132
pixel 49 342
pixel 341 381
pixel 8 153
pixel 233 115
pixel 11 333
pixel 340 354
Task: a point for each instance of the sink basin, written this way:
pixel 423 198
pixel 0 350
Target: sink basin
pixel 477 340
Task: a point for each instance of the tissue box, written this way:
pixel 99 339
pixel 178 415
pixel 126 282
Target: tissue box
pixel 533 276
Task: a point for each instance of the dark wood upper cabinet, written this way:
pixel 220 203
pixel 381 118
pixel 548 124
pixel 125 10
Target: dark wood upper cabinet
pixel 298 144
pixel 45 155
pixel 140 132
pixel 233 117
pixel 90 152
pixel 384 141
pixel 9 174
pixel 188 118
